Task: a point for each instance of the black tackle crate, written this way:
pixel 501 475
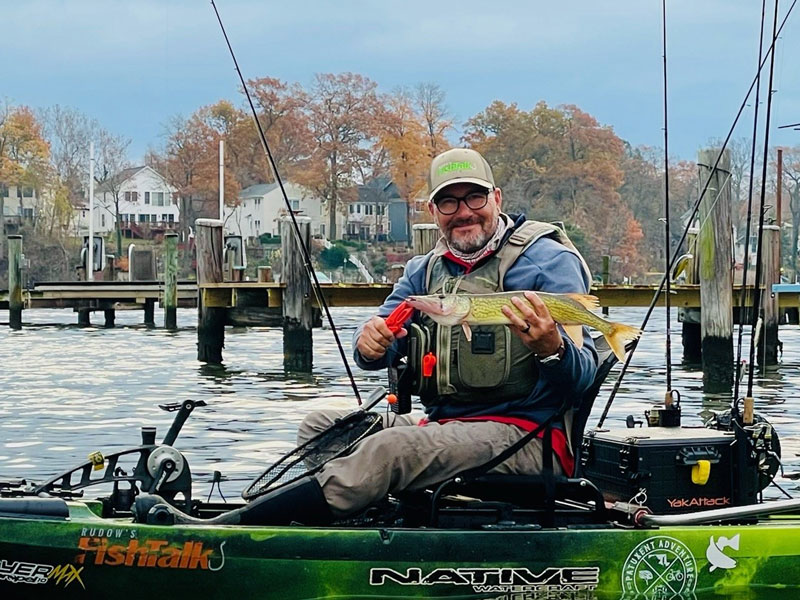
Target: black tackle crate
pixel 653 466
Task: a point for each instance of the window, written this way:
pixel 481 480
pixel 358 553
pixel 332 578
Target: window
pixel 381 209
pixel 368 209
pixel 102 220
pixel 147 197
pixel 295 204
pixel 3 190
pixel 164 218
pixel 131 196
pixel 27 192
pixel 352 209
pixel 258 201
pixel 158 198
pixel 171 218
pixel 142 218
pixel 358 208
pixel 27 213
pixel 154 218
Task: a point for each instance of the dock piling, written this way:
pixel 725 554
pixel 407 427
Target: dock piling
pixel 716 274
pixel 425 237
pixel 171 281
pixel 15 302
pixel 768 341
pixel 297 313
pixel 210 320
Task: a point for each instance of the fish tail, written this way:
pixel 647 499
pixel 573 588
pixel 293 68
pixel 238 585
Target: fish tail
pixel 618 336
pixel 588 301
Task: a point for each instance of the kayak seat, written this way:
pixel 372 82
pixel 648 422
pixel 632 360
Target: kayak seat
pixel 474 499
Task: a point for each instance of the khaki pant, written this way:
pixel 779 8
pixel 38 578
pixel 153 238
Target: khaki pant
pixel 405 456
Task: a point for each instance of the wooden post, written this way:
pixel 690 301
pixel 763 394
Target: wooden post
pixel 171 281
pixel 425 237
pixel 606 275
pixel 109 273
pixel 768 341
pixel 297 314
pixel 396 272
pixel 14 280
pixel 84 317
pixel 150 312
pixel 264 274
pixel 210 321
pixel 690 317
pixel 716 277
pixel 110 316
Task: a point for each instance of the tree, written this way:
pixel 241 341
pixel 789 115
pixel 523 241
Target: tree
pixel 436 119
pixel 24 155
pixel 407 143
pixel 343 111
pixel 791 172
pixel 111 162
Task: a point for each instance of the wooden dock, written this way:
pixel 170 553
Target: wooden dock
pixel 100 295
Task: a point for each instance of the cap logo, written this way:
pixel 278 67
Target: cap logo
pixel 463 165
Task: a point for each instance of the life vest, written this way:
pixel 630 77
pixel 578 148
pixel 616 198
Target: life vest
pixel 495 366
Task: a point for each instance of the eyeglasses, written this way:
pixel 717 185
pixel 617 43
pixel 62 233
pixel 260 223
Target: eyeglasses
pixel 448 205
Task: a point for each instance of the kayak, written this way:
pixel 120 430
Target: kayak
pixel 77 554
pixel 496 537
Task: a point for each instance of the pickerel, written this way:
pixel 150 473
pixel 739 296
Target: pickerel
pixel 572 311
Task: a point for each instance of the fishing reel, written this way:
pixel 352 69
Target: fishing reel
pixel 158 469
pixel 759 446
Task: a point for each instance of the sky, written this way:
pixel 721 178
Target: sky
pixel 133 65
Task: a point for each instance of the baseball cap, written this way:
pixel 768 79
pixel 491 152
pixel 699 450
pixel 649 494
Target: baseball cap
pixel 459 165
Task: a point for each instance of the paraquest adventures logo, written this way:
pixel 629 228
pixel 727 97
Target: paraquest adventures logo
pixel 659 567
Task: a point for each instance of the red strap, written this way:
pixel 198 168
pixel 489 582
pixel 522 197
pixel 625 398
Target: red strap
pixel 560 445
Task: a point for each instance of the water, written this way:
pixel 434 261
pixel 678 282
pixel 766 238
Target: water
pixel 66 391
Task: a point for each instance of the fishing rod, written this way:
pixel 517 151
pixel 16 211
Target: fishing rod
pixel 296 228
pixel 742 299
pixel 668 348
pixel 695 208
pixel 759 249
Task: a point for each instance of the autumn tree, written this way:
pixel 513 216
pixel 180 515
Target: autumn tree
pixel 343 109
pixel 404 135
pixel 24 155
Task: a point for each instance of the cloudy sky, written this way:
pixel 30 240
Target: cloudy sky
pixel 134 64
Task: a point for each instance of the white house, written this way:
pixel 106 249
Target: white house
pixel 147 204
pixel 19 204
pixel 262 205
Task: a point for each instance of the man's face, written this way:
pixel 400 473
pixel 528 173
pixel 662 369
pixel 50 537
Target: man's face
pixel 467 230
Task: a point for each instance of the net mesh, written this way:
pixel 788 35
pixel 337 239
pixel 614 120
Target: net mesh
pixel 338 440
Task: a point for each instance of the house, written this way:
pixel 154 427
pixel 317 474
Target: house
pixel 379 213
pixel 19 204
pixel 147 204
pixel 261 207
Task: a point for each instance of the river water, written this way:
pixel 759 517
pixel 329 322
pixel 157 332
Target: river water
pixel 66 391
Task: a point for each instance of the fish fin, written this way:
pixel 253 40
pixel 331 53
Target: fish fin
pixel 620 334
pixel 586 300
pixel 467 331
pixel 575 333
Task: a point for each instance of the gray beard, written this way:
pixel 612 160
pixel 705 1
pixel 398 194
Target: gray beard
pixel 472 252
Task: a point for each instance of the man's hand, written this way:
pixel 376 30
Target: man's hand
pixel 375 338
pixel 536 327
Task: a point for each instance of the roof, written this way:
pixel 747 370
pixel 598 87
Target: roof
pixel 259 189
pixel 116 180
pixel 380 190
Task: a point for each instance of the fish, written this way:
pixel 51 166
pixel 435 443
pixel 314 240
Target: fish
pixel 572 311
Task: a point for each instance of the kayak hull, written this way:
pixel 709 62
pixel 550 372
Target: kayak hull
pixel 85 556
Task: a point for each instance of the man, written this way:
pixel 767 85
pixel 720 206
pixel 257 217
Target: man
pixel 481 396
